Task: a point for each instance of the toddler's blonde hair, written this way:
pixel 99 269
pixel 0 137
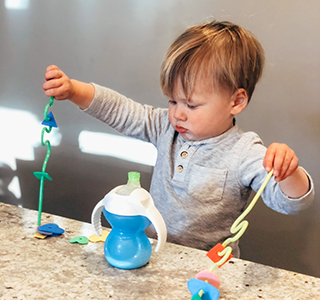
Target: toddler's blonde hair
pixel 225 53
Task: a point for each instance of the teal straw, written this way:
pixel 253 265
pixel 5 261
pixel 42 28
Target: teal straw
pixel 43 175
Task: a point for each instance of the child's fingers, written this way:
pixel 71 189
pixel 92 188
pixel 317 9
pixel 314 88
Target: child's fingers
pixel 274 158
pixel 281 171
pixel 53 92
pixel 52 67
pixel 58 92
pixel 50 86
pixel 290 163
pixel 56 84
pixel 279 162
pixel 294 164
pixel 269 158
pixel 282 159
pixel 60 89
pixel 53 74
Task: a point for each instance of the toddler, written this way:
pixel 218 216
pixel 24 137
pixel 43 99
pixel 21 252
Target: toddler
pixel 206 166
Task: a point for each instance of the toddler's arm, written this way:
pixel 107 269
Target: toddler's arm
pixel 58 85
pixel 293 180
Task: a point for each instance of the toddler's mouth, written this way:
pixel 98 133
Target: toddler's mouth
pixel 181 129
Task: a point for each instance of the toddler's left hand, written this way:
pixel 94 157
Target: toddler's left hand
pixel 282 159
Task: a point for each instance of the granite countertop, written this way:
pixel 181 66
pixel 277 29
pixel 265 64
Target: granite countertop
pixel 53 268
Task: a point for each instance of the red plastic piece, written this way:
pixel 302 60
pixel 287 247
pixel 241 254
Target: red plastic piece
pixel 214 256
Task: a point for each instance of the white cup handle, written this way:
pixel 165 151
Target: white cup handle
pixel 96 217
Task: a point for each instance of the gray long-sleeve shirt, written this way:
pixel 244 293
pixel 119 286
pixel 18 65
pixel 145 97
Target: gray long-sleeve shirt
pixel 199 187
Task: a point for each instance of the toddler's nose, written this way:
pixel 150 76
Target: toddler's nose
pixel 179 113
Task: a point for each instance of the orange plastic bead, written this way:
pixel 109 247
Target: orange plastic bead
pixel 214 256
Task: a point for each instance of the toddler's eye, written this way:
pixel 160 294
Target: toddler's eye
pixel 191 106
pixel 172 102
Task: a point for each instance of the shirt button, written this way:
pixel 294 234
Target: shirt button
pixel 179 168
pixel 184 154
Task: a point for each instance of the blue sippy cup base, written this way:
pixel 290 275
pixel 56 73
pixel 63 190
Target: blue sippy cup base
pixel 127 246
pixel 129 264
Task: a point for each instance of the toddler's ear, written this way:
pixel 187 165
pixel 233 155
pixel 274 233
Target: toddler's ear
pixel 239 101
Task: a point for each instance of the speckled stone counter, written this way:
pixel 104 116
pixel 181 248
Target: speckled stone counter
pixel 53 268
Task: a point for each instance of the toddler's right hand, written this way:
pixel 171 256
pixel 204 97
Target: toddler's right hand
pixel 57 84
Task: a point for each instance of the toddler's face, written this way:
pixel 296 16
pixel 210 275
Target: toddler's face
pixel 207 113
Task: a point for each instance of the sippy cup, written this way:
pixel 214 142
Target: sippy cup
pixel 129 209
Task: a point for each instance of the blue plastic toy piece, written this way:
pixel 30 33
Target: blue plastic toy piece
pixel 210 292
pixel 45 233
pixel 50 229
pixel 51 122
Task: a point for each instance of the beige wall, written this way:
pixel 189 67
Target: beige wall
pixel 121 44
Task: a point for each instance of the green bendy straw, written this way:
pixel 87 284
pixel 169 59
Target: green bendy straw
pixel 239 226
pixel 43 175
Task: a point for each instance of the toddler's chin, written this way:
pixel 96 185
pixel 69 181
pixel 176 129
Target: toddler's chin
pixel 187 136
